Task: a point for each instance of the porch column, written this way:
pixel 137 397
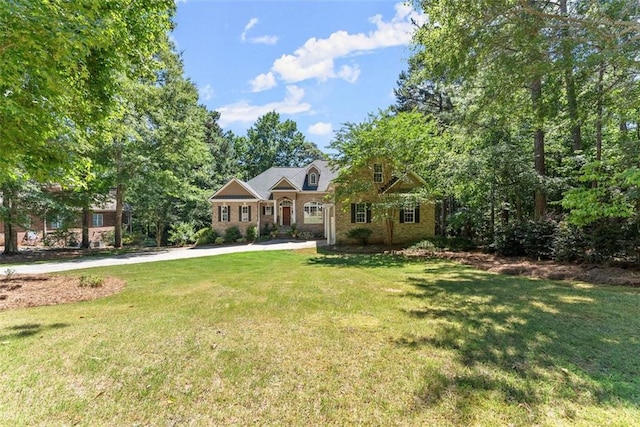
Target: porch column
pixel 258 213
pixel 293 214
pixel 275 212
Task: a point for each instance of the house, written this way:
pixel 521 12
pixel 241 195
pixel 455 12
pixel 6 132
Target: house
pixel 305 196
pixel 56 230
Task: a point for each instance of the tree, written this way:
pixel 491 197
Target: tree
pixel 170 156
pixel 62 64
pixel 270 142
pixel 401 141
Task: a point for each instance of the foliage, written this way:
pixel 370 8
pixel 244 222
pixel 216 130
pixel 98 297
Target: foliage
pixel 219 240
pixel 360 234
pixel 252 233
pixel 270 142
pixel 205 236
pixel 62 63
pixel 91 281
pixel 534 239
pixel 563 75
pixel 182 233
pixel 232 234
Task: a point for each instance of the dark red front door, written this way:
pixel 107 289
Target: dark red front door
pixel 286 215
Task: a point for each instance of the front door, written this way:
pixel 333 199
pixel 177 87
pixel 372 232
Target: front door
pixel 286 215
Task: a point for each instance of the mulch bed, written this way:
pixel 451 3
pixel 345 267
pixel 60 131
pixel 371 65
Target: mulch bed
pixel 31 290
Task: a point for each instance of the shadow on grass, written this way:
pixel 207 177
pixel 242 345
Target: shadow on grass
pixel 358 260
pixel 528 341
pixel 29 329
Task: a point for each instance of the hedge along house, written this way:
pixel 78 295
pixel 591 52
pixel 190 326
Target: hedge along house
pixel 305 197
pixel 278 197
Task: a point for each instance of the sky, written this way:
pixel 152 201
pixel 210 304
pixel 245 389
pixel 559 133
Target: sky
pixel 319 63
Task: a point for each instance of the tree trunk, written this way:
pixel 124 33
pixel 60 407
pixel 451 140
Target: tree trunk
pixel 86 214
pixel 118 225
pixel 159 231
pixel 540 197
pixel 570 85
pixel 599 113
pixel 10 230
pixel 389 230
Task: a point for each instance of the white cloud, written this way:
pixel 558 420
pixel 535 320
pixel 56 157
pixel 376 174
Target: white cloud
pixel 320 128
pixel 316 58
pixel 206 92
pixel 252 23
pixel 265 40
pixel 263 82
pixel 244 112
pixel 260 39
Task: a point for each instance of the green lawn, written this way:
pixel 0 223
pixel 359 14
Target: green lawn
pixel 307 339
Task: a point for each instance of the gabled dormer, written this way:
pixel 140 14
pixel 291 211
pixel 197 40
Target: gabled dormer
pixel 312 178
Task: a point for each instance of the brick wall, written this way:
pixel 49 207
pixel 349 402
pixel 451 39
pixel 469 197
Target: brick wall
pixel 402 233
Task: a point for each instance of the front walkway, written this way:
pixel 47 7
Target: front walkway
pixel 166 255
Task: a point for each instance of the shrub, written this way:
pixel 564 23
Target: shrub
pixel 424 245
pixel 569 243
pixel 91 281
pixel 361 234
pixel 219 240
pixel 534 239
pixel 449 243
pixel 205 236
pixel 305 235
pixel 182 233
pixel 232 234
pixel 251 233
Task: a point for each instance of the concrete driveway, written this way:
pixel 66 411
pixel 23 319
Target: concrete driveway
pixel 165 255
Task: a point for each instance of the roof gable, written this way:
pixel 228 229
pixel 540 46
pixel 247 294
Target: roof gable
pixel 235 189
pixel 285 184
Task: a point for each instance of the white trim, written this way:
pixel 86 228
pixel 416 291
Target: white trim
pixel 410 174
pixel 234 200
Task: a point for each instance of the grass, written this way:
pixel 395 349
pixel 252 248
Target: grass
pixel 303 338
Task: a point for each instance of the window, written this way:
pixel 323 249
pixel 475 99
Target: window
pixel 268 210
pixel 410 213
pixel 377 173
pixel 55 222
pixel 98 220
pixel 313 213
pixel 245 215
pixel 313 179
pixel 224 213
pixel 361 213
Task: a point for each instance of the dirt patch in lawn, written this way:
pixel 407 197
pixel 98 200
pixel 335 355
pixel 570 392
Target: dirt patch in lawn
pixel 31 290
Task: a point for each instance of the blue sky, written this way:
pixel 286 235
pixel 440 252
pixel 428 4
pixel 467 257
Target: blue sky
pixel 319 63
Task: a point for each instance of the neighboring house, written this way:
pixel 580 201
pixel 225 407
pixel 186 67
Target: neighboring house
pixel 51 228
pixel 304 196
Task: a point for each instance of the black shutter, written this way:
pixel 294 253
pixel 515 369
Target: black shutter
pixel 219 213
pixel 239 213
pixel 401 216
pixel 249 213
pixel 353 213
pixel 417 219
pixel 368 213
pixel 264 210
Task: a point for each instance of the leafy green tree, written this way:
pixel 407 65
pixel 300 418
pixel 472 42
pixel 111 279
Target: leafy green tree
pixel 270 142
pixel 61 65
pixel 171 154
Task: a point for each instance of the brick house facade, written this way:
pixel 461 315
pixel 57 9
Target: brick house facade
pixel 304 196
